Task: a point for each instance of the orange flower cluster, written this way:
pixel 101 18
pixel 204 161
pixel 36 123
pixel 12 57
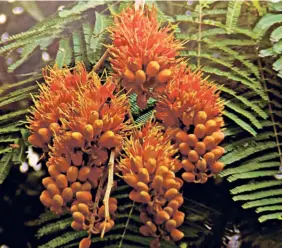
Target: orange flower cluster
pixel 55 95
pixel 90 123
pixel 192 106
pixel 143 53
pixel 149 167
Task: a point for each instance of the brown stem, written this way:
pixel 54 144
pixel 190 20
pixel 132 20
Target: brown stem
pixel 108 189
pixel 101 61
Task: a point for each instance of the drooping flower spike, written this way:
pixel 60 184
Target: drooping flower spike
pixel 142 53
pixel 149 167
pixel 193 106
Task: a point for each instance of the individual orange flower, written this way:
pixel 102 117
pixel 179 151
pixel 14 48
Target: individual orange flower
pixel 142 52
pixel 192 105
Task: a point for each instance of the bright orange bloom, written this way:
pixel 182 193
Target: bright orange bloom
pixel 192 105
pixel 142 52
pixel 185 95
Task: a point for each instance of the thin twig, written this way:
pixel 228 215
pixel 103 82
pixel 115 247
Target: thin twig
pixel 101 61
pixel 108 189
pixel 126 225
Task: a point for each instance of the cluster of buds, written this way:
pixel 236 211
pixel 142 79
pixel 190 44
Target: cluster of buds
pixel 143 53
pixel 91 124
pixel 149 167
pixel 55 95
pixel 192 105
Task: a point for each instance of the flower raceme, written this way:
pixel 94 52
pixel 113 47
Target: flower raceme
pixel 142 52
pixel 193 107
pixel 149 167
pixel 90 120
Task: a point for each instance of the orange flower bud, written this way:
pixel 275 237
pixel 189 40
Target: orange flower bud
pixel 131 179
pixel 74 208
pixel 85 243
pixel 217 153
pixel 83 208
pixel 176 235
pixel 113 200
pixel 86 186
pixel 67 194
pixel 157 182
pixel 76 186
pixel 109 139
pixel 193 156
pixel 101 211
pixel 52 170
pixel 45 199
pixel 94 115
pixel 180 199
pixel 188 177
pixel 84 196
pixel 170 225
pixel 161 217
pixel 169 183
pixel 53 189
pixel 192 140
pixel 209 142
pixel 201 165
pixel 78 217
pixel 169 210
pixel 46 181
pixel 217 167
pixel 152 68
pixel 209 157
pixel 77 226
pixel 144 197
pixel 161 170
pixel 83 173
pixel 57 201
pixel 140 77
pixel 44 134
pixel 88 132
pixel 200 148
pixel 164 76
pixel 143 175
pixel 106 226
pixel 77 139
pixel 61 181
pixel 129 76
pixel 97 127
pixel 135 196
pixel 72 174
pixel 188 165
pixel 170 194
pixel 199 131
pixel 150 165
pixel 218 137
pixel 184 148
pixel 142 187
pixel 210 126
pixel 179 217
pixel 35 141
pixel 174 204
pixel 200 118
pixel 152 226
pixel 182 136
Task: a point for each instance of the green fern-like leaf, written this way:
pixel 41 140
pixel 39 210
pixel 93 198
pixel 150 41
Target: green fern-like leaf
pixel 232 14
